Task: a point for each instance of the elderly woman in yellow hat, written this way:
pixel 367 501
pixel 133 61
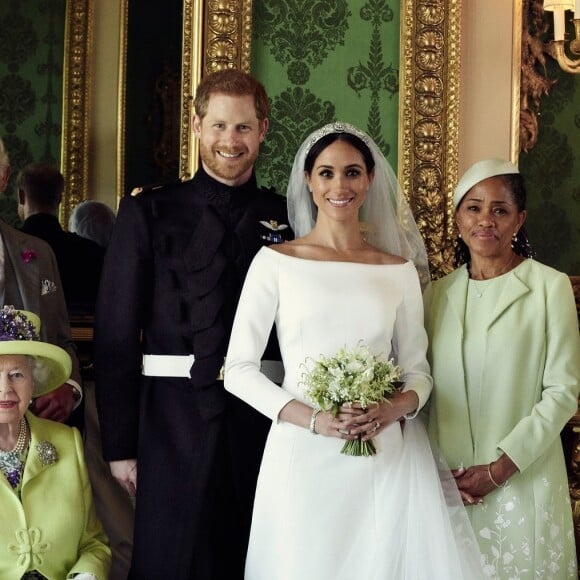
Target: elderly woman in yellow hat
pixel 49 528
pixel 505 359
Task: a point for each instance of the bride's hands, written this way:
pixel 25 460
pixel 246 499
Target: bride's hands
pixel 373 420
pixel 339 426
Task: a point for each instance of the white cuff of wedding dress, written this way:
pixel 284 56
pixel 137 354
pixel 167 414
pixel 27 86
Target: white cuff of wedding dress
pixel 168 365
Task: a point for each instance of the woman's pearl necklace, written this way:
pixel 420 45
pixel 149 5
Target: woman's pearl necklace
pixel 22 438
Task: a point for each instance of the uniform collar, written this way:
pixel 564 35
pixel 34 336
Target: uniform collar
pixel 225 193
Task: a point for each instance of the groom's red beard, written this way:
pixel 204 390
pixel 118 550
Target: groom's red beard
pixel 228 169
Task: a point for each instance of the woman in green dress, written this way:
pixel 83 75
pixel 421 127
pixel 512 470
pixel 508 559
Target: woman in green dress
pixel 505 359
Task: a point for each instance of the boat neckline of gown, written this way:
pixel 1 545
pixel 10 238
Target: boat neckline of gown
pixel 406 263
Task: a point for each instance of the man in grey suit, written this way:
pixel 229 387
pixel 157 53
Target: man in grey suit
pixel 29 280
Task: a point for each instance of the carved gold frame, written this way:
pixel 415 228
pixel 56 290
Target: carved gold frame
pixel 429 120
pixel 76 103
pixel 517 35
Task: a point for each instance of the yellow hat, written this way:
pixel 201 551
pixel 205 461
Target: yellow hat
pixel 19 335
pixel 478 172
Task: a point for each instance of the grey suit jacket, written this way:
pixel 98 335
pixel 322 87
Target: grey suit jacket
pixel 32 282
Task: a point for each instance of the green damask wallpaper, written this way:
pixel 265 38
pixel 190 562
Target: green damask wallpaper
pixel 321 61
pixel 31 58
pixel 552 173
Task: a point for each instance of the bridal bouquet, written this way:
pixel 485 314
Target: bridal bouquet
pixel 348 377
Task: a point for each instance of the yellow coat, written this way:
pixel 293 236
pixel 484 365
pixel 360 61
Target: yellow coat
pixel 53 528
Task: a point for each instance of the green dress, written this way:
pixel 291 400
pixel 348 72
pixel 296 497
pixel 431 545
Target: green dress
pixel 505 358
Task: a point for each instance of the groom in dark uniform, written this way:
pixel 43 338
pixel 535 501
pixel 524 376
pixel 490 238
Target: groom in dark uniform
pixel 169 290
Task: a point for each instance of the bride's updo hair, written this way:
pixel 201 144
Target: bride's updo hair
pixel 329 139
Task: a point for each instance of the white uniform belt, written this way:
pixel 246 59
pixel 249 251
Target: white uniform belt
pixel 169 365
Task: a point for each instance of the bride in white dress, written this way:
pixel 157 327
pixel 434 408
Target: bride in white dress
pixel 319 514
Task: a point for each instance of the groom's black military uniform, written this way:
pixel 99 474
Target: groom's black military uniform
pixel 169 290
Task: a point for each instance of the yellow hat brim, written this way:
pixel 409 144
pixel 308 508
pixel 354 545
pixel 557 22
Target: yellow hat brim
pixel 57 361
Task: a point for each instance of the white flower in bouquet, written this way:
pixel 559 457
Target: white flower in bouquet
pixel 349 377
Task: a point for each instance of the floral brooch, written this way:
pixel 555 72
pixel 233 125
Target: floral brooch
pixel 47 453
pixel 28 256
pixel 47 287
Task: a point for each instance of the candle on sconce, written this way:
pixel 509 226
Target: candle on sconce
pixel 558 7
pixel 559 24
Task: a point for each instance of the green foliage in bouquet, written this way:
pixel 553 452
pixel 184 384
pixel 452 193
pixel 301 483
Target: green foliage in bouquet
pixel 348 377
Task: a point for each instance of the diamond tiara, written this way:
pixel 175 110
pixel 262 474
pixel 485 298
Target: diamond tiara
pixel 336 127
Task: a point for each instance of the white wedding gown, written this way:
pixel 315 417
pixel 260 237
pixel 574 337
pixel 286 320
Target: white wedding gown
pixel 319 514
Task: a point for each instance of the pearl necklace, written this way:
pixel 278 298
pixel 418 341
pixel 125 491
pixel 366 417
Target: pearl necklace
pixel 22 438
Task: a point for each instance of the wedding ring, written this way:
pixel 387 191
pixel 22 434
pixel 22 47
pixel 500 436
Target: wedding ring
pixel 377 426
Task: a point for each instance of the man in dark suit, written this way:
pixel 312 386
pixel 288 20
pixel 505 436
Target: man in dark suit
pixel 80 261
pixel 29 280
pixel 170 286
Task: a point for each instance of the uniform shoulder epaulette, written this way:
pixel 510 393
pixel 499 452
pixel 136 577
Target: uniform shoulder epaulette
pixel 137 191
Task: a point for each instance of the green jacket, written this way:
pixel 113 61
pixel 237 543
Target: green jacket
pixel 531 368
pixel 53 528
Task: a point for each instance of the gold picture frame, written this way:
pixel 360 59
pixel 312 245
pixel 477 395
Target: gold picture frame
pixel 76 103
pixel 429 120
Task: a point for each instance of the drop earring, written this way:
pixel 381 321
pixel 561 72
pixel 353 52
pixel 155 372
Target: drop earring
pixel 514 239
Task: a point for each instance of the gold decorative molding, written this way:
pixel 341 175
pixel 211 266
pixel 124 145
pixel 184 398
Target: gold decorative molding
pixel 122 96
pixel 429 120
pixel 516 81
pixel 191 68
pixel 217 34
pixel 76 102
pixel 228 35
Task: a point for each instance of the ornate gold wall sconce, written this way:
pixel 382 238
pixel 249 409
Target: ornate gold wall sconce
pixel 557 46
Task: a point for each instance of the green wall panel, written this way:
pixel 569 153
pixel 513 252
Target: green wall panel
pixel 321 61
pixel 552 173
pixel 31 66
